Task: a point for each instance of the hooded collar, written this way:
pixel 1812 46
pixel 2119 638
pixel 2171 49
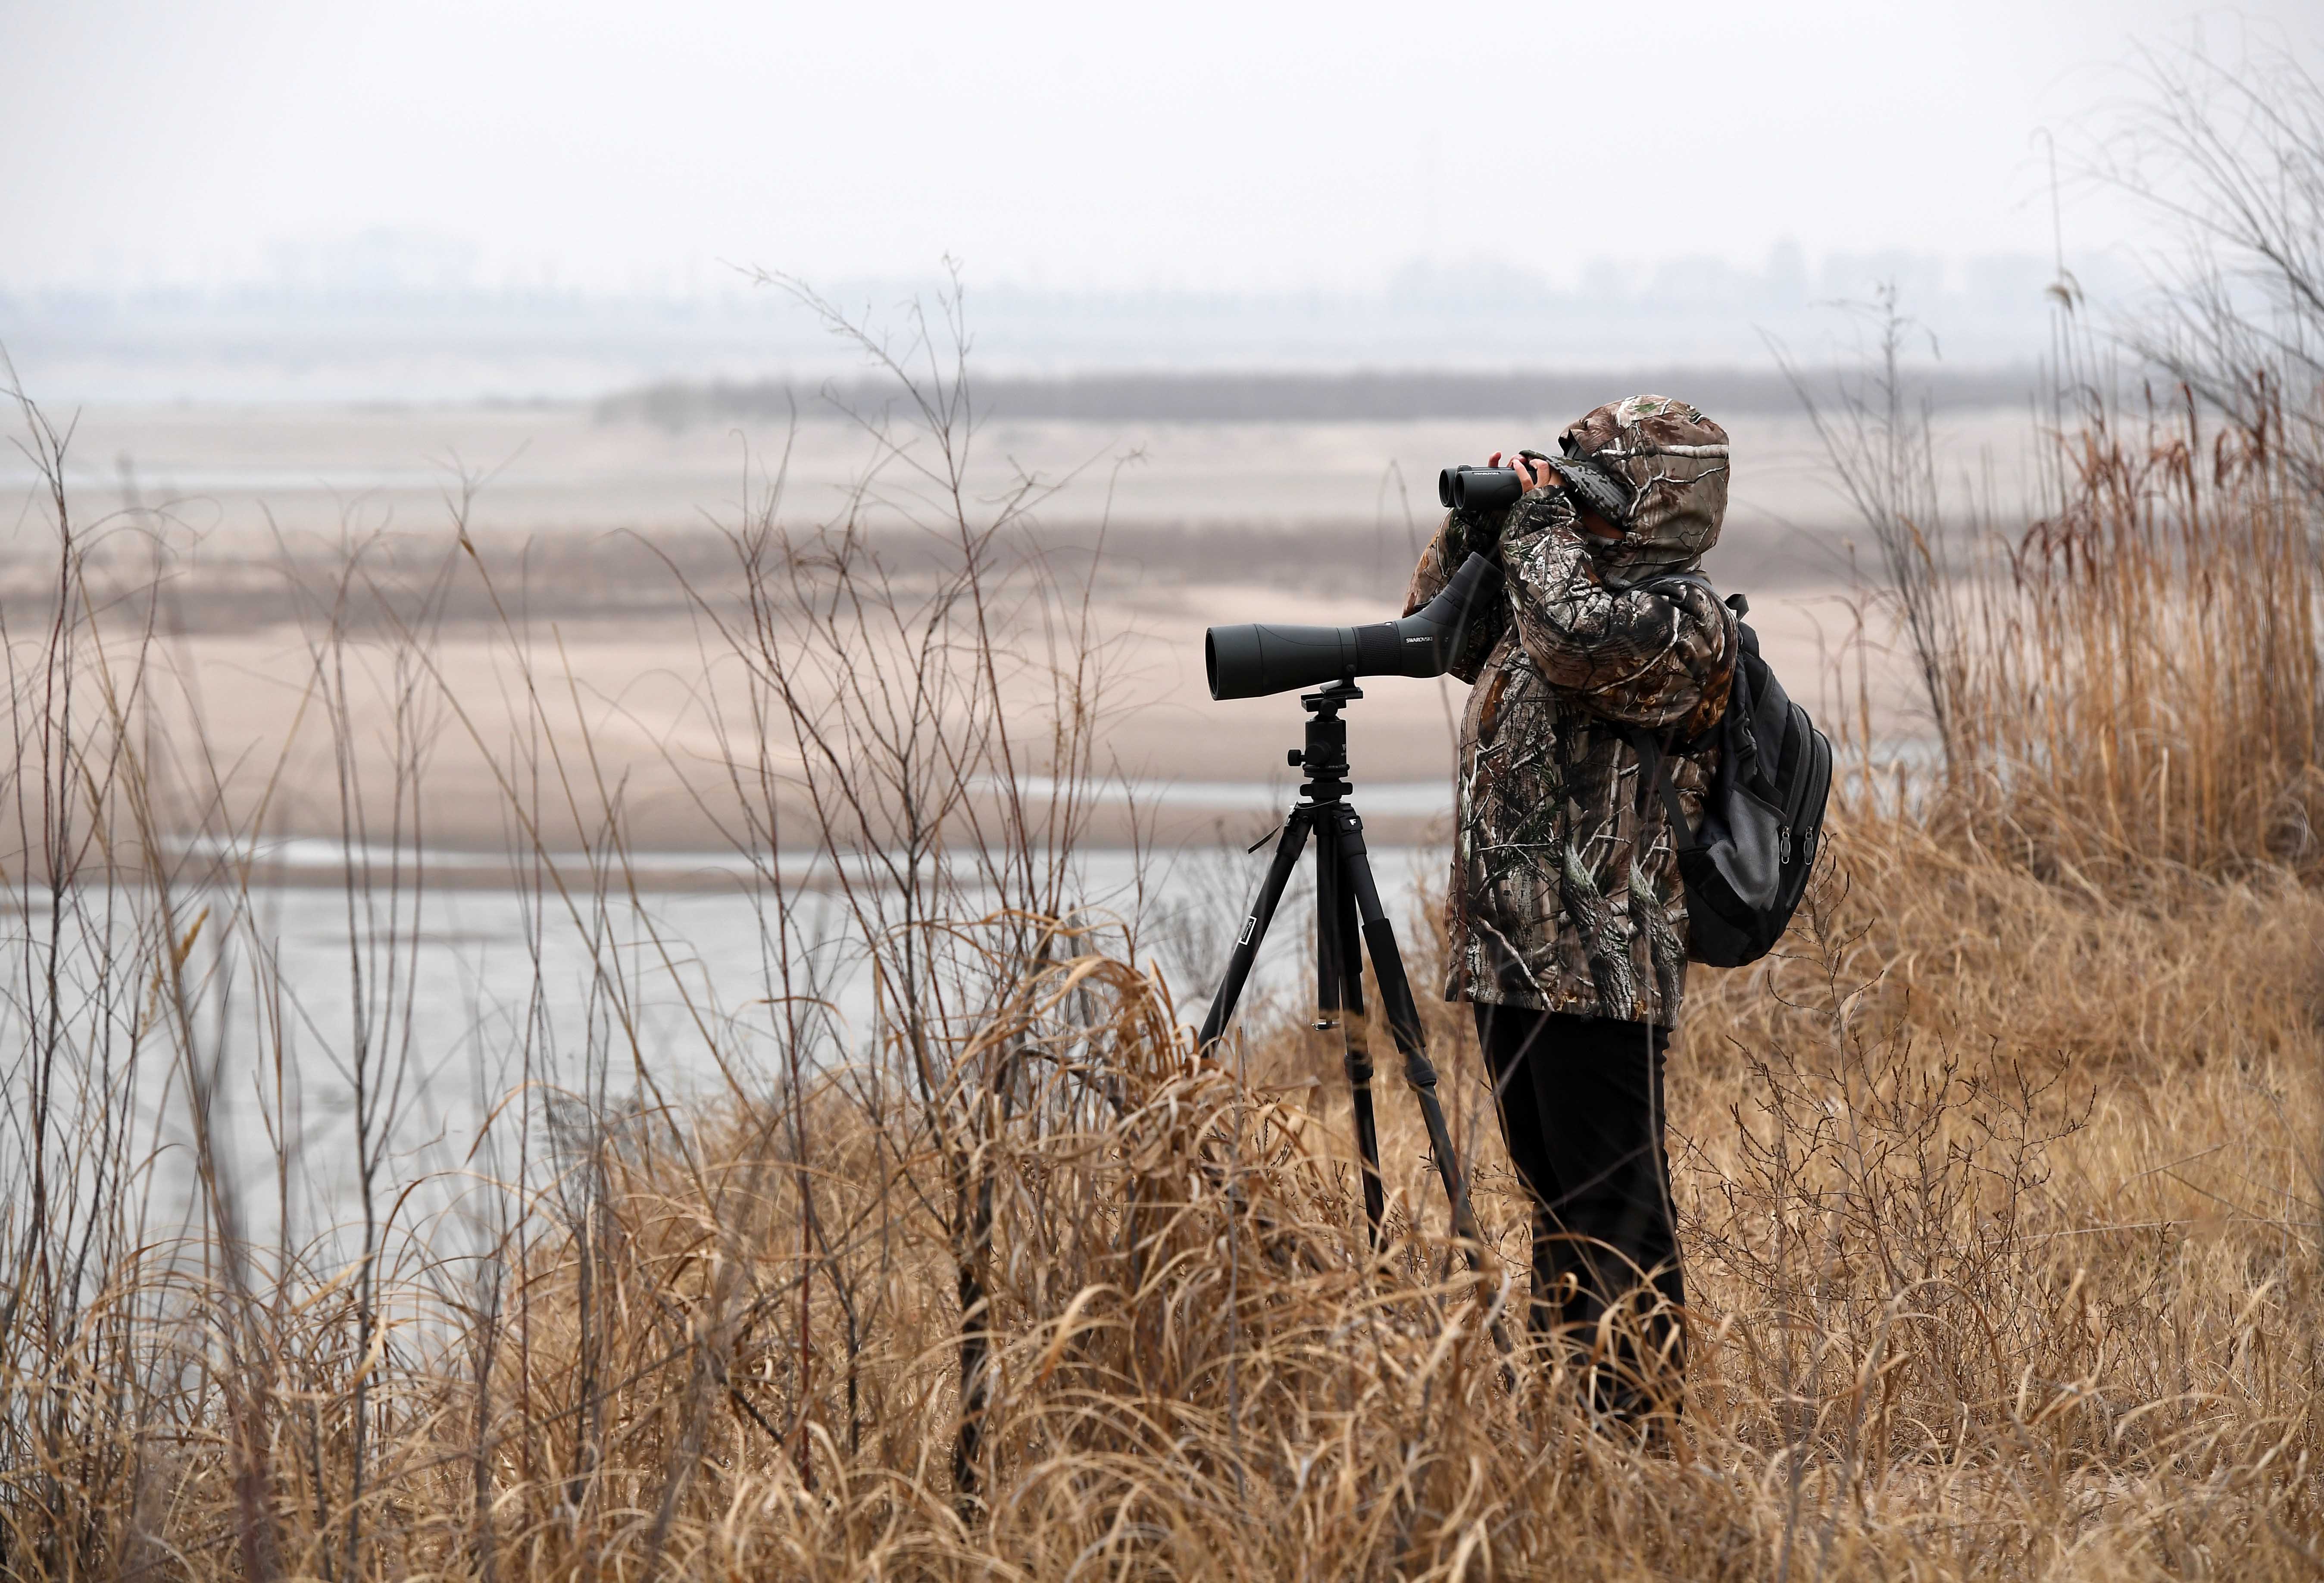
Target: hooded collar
pixel 1675 461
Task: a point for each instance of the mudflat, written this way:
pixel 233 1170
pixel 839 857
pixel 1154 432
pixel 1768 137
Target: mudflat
pixel 582 635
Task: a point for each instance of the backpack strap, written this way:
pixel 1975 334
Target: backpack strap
pixel 1655 753
pixel 1654 775
pixel 1667 585
pixel 1673 578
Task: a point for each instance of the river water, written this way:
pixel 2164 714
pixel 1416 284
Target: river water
pixel 600 1000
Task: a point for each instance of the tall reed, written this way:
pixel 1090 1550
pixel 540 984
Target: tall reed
pixel 2140 675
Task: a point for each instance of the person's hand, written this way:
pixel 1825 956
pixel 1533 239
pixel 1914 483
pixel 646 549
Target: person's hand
pixel 1537 475
pixel 1532 473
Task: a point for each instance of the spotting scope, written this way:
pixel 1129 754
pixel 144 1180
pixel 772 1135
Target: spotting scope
pixel 1254 659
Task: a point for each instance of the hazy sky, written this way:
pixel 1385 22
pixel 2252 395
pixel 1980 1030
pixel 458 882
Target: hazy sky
pixel 1215 145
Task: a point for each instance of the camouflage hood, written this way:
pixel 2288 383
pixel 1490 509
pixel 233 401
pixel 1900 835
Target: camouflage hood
pixel 1675 461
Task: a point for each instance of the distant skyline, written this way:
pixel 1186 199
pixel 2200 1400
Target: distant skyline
pixel 403 262
pixel 1053 149
pixel 388 322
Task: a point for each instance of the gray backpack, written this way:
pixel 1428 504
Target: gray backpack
pixel 1745 865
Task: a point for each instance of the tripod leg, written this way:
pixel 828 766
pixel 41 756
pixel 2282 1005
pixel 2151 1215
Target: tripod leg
pixel 1254 929
pixel 1340 1002
pixel 1404 1024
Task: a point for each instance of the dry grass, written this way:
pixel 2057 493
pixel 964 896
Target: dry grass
pixel 1998 1187
pixel 2138 686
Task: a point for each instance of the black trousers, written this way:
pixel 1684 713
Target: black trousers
pixel 1580 1100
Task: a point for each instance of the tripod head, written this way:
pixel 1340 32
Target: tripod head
pixel 1325 756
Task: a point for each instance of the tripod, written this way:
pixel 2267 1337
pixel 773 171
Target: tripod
pixel 1348 921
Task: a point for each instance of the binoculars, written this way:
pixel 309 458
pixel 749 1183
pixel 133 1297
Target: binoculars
pixel 1468 488
pixel 1596 487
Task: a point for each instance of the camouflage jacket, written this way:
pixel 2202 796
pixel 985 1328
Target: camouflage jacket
pixel 1564 891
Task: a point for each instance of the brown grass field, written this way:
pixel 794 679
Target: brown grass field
pixel 1998 1184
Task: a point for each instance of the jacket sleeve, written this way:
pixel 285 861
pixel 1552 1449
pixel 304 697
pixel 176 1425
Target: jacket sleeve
pixel 1462 533
pixel 1627 655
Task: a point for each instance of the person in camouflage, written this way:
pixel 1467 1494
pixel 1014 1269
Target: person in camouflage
pixel 1565 916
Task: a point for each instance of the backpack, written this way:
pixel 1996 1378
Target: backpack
pixel 1745 866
